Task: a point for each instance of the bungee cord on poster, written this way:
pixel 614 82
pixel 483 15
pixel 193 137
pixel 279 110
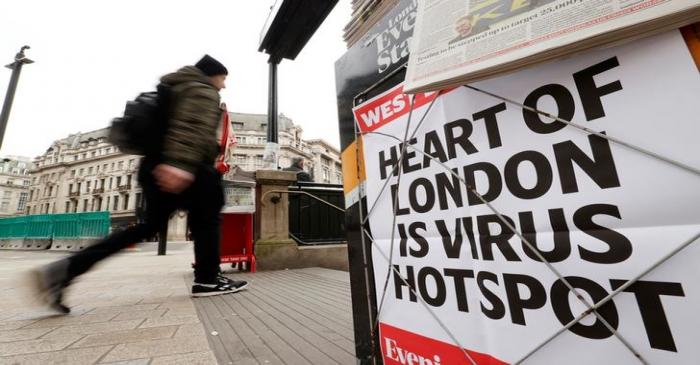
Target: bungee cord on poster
pixel 591 308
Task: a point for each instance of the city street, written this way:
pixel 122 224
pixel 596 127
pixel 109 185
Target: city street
pixel 136 309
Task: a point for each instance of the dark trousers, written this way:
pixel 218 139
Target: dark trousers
pixel 203 200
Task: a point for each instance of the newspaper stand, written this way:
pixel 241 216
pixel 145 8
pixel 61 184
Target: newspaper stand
pixel 237 224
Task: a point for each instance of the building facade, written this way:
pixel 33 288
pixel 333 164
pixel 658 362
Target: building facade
pixel 322 161
pixel 85 173
pixel 14 185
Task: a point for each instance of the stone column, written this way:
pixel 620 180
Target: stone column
pixel 273 247
pixel 177 226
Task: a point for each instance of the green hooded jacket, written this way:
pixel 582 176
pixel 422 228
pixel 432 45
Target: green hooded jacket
pixel 190 140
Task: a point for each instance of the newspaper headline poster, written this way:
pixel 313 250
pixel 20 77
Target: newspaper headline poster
pixel 601 213
pixel 473 39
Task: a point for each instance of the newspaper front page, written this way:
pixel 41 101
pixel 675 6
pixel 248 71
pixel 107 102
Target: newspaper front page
pixel 460 41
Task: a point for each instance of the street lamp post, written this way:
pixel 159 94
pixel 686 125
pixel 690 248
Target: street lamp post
pixel 272 148
pixel 289 26
pixel 16 67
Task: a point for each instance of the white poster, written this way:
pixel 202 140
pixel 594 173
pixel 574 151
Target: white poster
pixel 600 212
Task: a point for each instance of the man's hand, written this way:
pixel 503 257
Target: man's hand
pixel 171 179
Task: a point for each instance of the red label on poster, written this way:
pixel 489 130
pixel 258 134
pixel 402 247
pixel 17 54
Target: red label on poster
pixel 401 347
pixel 390 106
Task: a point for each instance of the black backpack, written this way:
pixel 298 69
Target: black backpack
pixel 142 128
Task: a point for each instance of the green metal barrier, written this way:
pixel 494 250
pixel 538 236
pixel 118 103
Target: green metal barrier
pixel 94 225
pixel 13 228
pixel 65 226
pixel 39 226
pixel 59 226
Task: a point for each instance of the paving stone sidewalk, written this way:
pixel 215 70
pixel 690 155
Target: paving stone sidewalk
pixel 134 309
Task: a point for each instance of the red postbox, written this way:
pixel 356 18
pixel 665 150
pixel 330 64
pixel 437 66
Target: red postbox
pixel 237 224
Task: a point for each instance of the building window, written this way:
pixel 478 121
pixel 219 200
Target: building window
pixel 237 126
pixel 87 186
pixel 119 181
pixel 120 166
pixel 116 203
pixel 94 154
pixel 90 170
pixel 84 156
pixel 81 172
pixel 240 159
pixel 107 205
pixel 138 203
pixel 7 194
pixel 22 202
pixel 67 207
pixel 326 175
pixel 126 201
pixel 97 169
pixel 104 167
pixel 72 173
pixel 4 206
pixel 85 205
pixel 110 183
pixel 259 161
pixel 75 158
pixel 112 167
pixel 79 191
pixel 131 164
pixel 25 182
pixel 128 180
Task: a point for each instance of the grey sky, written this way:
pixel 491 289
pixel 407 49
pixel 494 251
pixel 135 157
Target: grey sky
pixel 94 55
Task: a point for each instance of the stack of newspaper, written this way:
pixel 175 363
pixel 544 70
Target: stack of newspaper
pixel 458 42
pixel 365 13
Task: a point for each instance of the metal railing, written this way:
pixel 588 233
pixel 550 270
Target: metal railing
pixel 123 188
pixel 316 213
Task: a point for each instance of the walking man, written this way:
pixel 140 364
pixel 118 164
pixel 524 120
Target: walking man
pixel 181 175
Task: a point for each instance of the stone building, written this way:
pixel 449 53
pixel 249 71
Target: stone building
pixel 14 185
pixel 322 161
pixel 85 173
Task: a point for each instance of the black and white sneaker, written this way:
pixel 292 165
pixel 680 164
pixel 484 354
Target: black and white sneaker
pixel 49 282
pixel 222 286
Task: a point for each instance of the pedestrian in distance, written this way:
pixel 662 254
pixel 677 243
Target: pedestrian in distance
pixel 298 167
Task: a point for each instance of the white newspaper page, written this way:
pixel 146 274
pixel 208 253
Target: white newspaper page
pixel 469 39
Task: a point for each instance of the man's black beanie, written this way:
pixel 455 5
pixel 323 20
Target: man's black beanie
pixel 210 66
